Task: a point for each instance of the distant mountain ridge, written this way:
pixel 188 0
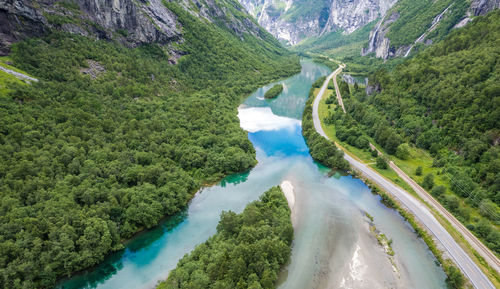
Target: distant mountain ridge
pixel 402 25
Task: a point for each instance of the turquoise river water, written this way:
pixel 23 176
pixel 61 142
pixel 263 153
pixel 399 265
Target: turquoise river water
pixel 333 246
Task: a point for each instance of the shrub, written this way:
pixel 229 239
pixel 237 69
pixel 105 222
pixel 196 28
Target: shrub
pixel 428 182
pixel 438 191
pixel 403 151
pixel 381 163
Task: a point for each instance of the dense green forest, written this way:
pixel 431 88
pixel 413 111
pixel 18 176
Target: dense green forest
pixel 86 163
pixel 321 149
pixel 337 44
pixel 416 16
pixel 445 100
pixel 274 91
pixel 247 251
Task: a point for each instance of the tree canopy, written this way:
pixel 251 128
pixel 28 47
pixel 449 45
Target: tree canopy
pixel 247 251
pixel 86 163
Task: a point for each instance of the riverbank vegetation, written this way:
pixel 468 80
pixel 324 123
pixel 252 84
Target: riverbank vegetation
pixel 247 251
pixel 321 149
pixel 274 91
pixel 85 162
pixel 440 112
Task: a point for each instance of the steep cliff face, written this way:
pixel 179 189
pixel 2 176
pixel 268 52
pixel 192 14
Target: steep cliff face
pixel 131 22
pixel 351 15
pixel 411 23
pixel 378 42
pixel 294 20
pixel 481 7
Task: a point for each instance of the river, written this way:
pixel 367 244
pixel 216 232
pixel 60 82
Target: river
pixel 334 246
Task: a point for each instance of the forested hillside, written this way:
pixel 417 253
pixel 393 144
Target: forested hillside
pixel 247 251
pixel 417 16
pixel 446 100
pixel 337 44
pixel 112 139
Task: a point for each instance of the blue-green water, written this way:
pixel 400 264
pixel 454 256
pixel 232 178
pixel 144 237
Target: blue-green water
pixel 333 247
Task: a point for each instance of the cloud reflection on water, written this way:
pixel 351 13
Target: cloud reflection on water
pixel 254 119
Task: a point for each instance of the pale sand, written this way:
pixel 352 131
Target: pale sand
pixel 287 188
pixel 369 267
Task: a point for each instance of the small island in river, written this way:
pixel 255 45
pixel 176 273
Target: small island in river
pixel 274 91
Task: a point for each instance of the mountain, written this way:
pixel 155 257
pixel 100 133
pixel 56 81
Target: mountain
pixel 342 28
pixel 292 21
pixel 133 111
pixel 412 23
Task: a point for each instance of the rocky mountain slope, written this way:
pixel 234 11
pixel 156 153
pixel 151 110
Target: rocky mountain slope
pixel 128 21
pixel 295 20
pixel 411 23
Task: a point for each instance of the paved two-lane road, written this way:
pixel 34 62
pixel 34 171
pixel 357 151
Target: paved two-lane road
pixel 463 261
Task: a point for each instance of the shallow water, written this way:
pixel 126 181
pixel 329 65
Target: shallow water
pixel 333 247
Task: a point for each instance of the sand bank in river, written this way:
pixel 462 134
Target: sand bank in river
pixel 369 267
pixel 287 188
pixel 345 253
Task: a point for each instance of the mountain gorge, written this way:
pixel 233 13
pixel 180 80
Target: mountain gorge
pixel 122 110
pixel 401 27
pixel 292 21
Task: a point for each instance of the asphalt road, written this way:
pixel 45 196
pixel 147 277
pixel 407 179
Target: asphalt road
pixel 423 215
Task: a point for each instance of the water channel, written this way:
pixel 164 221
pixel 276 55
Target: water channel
pixel 334 246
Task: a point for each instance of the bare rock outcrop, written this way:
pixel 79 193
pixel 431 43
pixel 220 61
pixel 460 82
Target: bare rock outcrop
pixel 292 21
pixel 131 22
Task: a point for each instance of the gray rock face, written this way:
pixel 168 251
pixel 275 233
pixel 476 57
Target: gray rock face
pixel 136 21
pixel 478 7
pixel 209 10
pixel 144 21
pixel 350 15
pixel 131 22
pixel 481 7
pixel 292 20
pixel 17 21
pixel 380 44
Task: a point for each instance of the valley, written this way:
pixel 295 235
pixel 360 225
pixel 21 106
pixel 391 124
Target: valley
pixel 329 213
pixel 251 144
